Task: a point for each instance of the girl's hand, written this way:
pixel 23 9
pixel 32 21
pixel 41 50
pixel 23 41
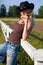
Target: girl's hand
pixel 26 20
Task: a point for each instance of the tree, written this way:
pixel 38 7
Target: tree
pixel 0 11
pixel 40 12
pixel 3 10
pixel 10 11
pixel 13 11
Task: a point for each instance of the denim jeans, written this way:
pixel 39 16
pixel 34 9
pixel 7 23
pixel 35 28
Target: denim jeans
pixel 11 51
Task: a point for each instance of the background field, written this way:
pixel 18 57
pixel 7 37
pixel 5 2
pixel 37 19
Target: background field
pixel 36 39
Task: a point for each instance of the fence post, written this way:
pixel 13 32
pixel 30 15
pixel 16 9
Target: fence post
pixel 38 57
pixel 38 62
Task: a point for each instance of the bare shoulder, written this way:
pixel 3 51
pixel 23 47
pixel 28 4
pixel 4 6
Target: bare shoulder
pixel 30 21
pixel 30 24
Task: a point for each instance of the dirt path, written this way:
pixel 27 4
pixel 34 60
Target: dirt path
pixel 38 27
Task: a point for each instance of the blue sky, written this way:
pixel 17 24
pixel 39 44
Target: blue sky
pixel 37 3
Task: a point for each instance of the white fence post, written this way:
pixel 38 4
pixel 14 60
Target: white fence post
pixel 38 57
pixel 38 62
pixel 6 30
pixel 29 49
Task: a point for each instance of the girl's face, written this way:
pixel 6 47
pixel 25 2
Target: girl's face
pixel 25 13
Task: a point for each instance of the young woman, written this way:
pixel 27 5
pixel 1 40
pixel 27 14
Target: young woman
pixel 22 29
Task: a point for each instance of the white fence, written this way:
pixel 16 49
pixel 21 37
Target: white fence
pixel 35 54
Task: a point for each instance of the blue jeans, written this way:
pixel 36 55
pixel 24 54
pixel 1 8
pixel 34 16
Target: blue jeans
pixel 11 51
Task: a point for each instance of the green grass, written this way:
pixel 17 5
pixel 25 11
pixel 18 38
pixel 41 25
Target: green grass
pixel 1 40
pixel 1 36
pixel 9 19
pixel 40 19
pixel 12 19
pixel 2 64
pixel 35 39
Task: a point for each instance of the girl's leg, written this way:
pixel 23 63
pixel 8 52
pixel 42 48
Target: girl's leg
pixel 12 53
pixel 3 50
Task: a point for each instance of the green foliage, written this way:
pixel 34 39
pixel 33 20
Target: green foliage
pixel 40 12
pixel 13 12
pixel 37 16
pixel 2 10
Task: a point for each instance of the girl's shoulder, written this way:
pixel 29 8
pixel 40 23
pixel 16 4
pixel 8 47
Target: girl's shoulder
pixel 32 20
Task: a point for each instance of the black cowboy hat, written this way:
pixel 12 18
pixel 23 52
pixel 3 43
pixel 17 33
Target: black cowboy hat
pixel 25 5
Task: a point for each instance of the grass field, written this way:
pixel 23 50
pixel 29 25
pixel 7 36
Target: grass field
pixel 36 39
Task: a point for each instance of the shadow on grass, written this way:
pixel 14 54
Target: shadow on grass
pixel 39 38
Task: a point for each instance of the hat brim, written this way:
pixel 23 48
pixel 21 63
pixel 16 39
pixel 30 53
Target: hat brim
pixel 30 7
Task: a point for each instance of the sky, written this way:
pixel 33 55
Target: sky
pixel 8 3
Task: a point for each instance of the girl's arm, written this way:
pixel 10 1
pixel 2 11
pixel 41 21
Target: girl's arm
pixel 27 29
